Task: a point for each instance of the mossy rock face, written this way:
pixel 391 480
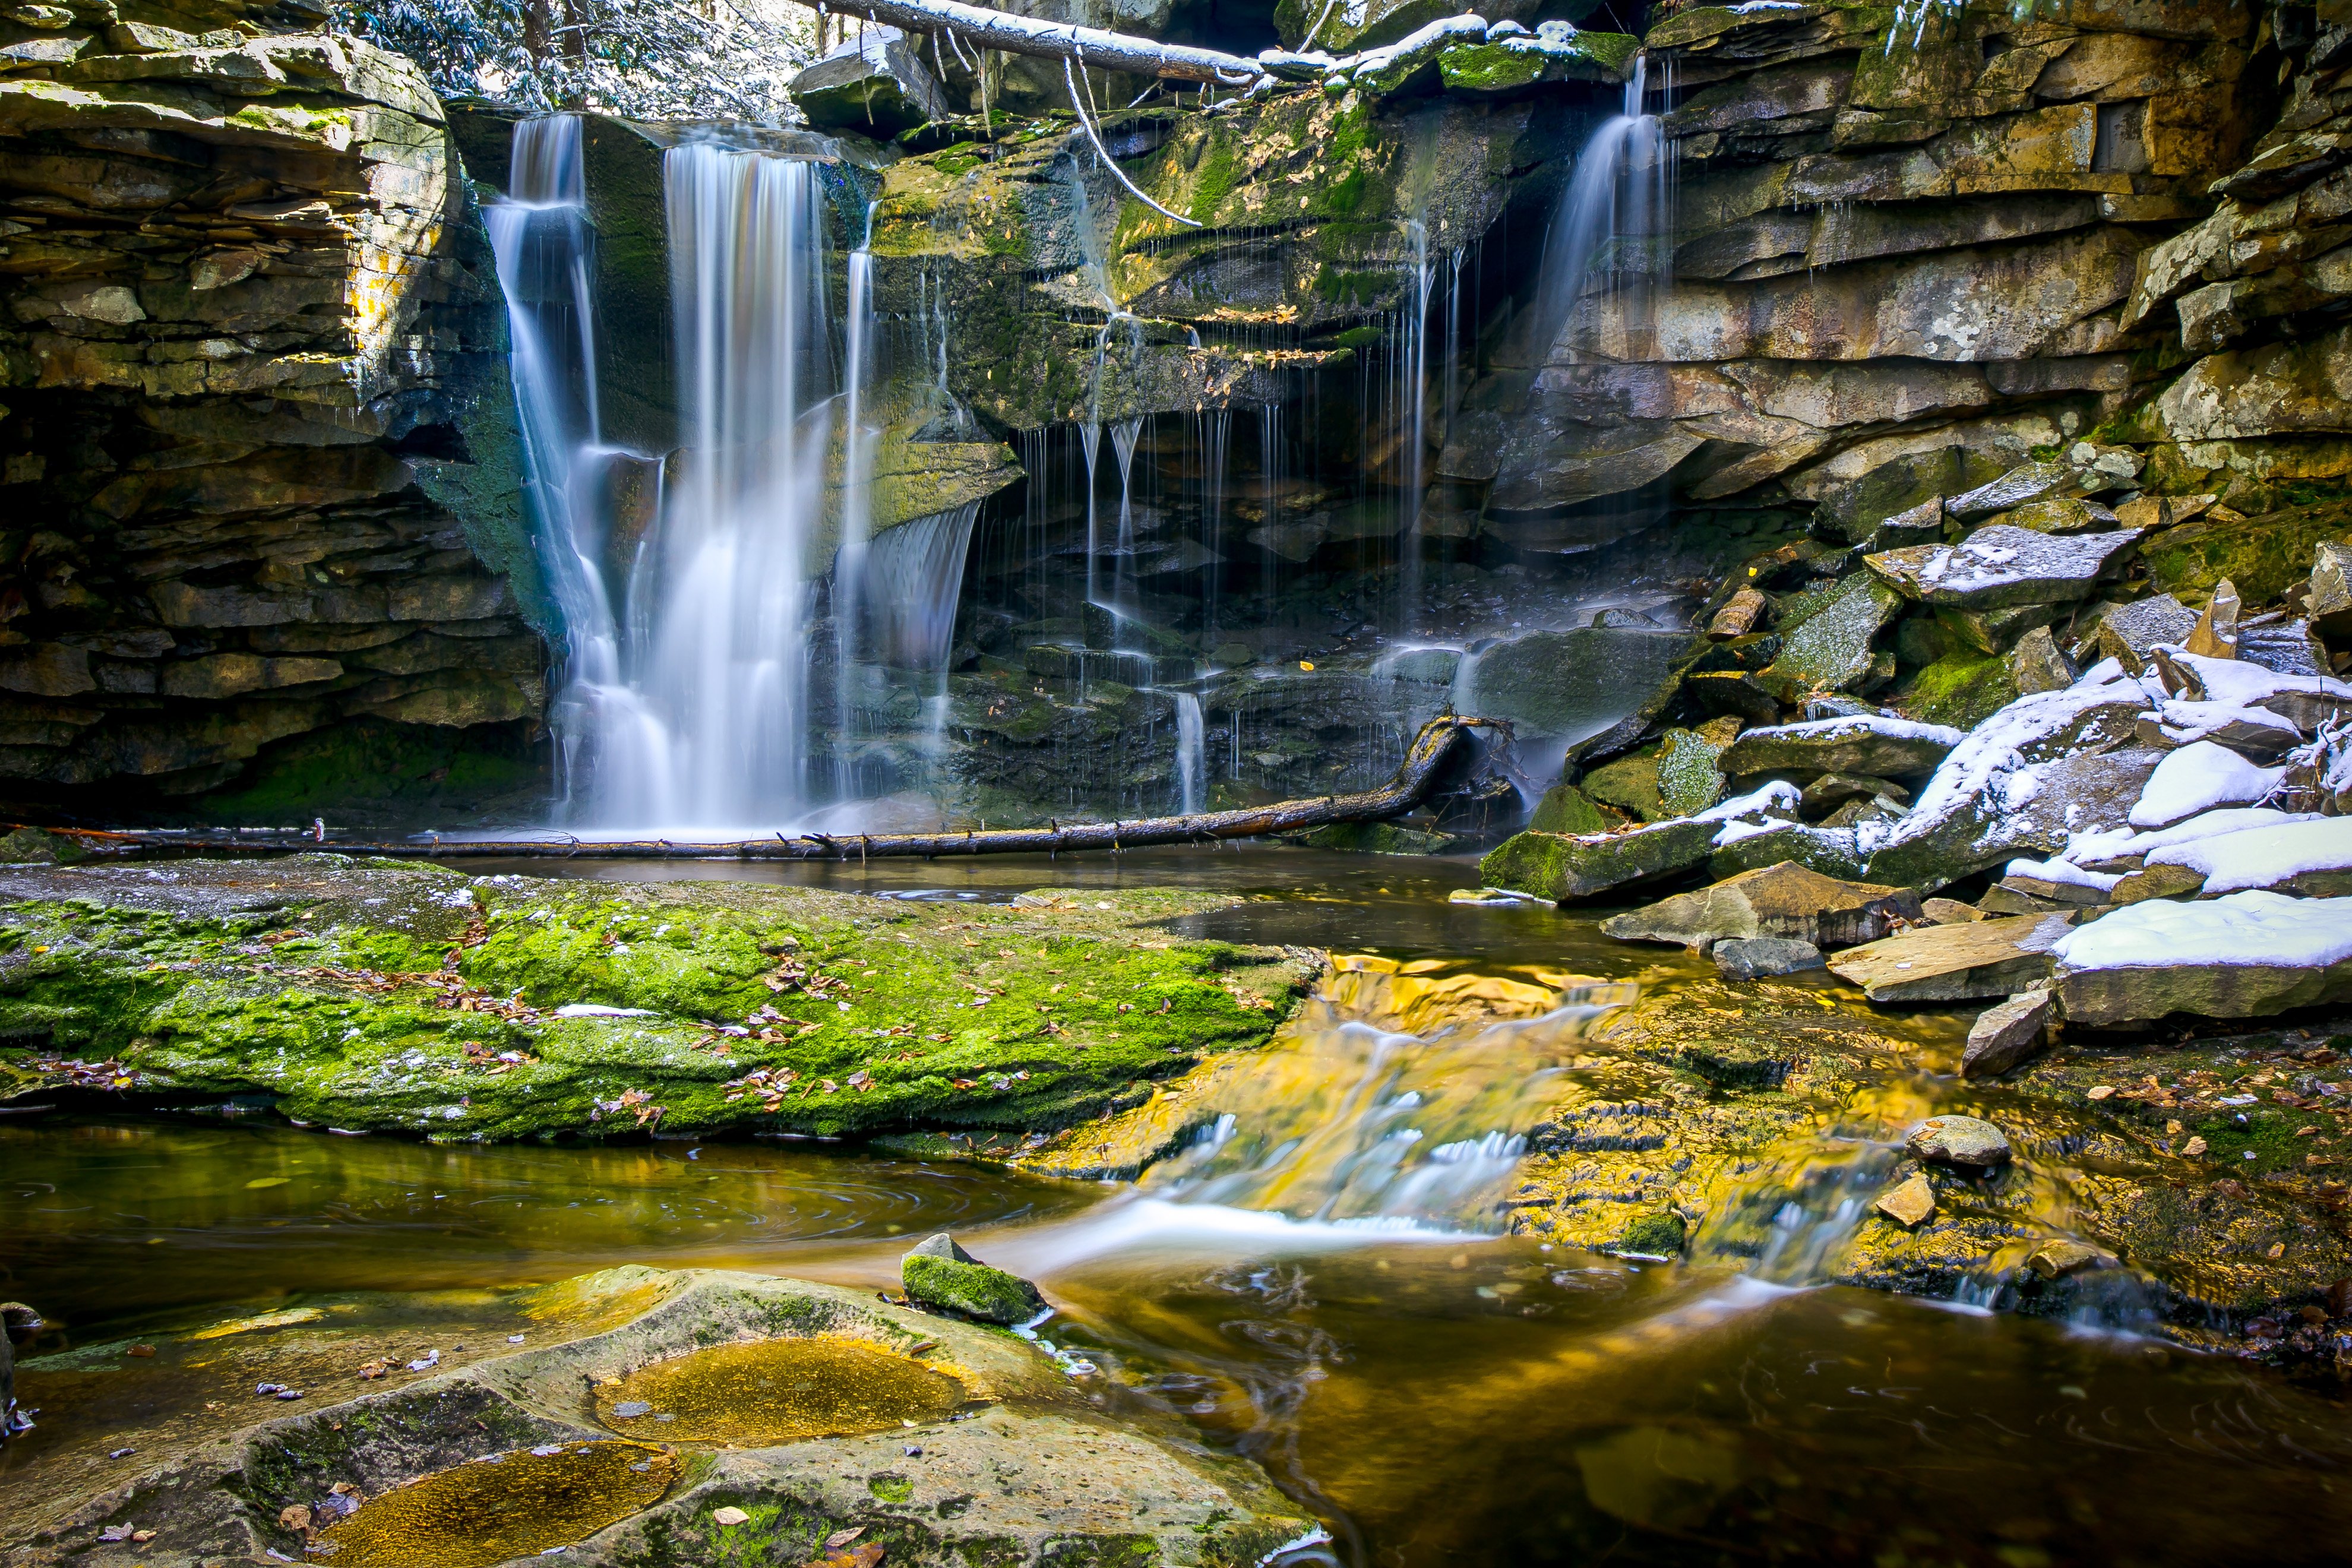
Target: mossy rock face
pixel 368 995
pixel 1962 688
pixel 1630 784
pixel 1016 1478
pixel 2261 556
pixel 1568 809
pixel 1654 1236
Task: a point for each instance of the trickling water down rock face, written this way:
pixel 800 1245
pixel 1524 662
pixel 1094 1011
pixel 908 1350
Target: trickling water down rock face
pixel 260 488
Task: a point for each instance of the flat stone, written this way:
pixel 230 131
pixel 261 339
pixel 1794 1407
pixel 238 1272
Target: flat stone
pixel 1908 1203
pixel 1950 912
pixel 1955 963
pixel 2059 514
pixel 1968 1141
pixel 1738 616
pixel 2025 483
pixel 1998 566
pixel 1865 744
pixel 2006 1034
pixel 875 84
pixel 2156 882
pixel 1566 866
pixel 1756 958
pixel 1780 901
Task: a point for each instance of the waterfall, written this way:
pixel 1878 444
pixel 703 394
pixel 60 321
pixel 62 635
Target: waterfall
pixel 544 248
pixel 685 697
pixel 1191 784
pixel 1615 211
pixel 858 443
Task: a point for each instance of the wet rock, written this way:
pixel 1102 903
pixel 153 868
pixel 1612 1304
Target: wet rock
pixel 1998 566
pixel 1016 1470
pixel 2004 1035
pixel 1864 744
pixel 2248 954
pixel 1968 1141
pixel 1574 684
pixel 1657 1236
pixel 1568 867
pixel 2056 1259
pixel 1909 1203
pixel 938 1273
pixel 1755 958
pixel 1955 963
pixel 1780 901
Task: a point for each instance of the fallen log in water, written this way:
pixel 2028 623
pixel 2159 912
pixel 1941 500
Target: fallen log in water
pixel 1415 775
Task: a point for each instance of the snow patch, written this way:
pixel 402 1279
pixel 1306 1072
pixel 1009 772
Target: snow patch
pixel 2251 927
pixel 2199 777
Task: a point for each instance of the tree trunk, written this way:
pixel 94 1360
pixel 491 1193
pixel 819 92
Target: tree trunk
pixel 1059 40
pixel 1429 753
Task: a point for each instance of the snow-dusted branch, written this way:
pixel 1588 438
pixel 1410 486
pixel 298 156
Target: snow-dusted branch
pixel 1058 41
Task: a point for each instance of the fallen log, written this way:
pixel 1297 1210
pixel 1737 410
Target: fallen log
pixel 1430 751
pixel 1090 47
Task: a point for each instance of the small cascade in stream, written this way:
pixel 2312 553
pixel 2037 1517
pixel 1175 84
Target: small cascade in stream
pixel 1395 1099
pixel 1615 217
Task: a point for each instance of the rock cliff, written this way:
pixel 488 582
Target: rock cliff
pixel 263 517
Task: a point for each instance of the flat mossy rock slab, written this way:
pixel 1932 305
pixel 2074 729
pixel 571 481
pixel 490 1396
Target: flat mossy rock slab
pixel 1865 743
pixel 1835 648
pixel 365 995
pixel 1782 900
pixel 1567 867
pixel 1028 1471
pixel 1954 963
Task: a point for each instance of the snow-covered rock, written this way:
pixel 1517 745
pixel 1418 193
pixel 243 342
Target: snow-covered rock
pixel 2245 955
pixel 2312 856
pixel 1871 745
pixel 2196 778
pixel 1998 566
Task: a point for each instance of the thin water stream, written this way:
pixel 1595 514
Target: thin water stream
pixel 1439 1394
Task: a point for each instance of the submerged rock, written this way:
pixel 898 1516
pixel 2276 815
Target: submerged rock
pixel 940 1273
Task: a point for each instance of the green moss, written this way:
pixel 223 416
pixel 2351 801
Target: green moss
pixel 1567 809
pixel 1215 175
pixel 972 1289
pixel 890 1488
pixel 2263 556
pixel 1629 784
pixel 1654 1236
pixel 1962 688
pixel 391 1005
pixel 1357 338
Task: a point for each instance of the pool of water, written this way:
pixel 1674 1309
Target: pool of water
pixel 1438 1397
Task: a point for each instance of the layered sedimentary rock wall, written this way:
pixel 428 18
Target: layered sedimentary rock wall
pixel 261 496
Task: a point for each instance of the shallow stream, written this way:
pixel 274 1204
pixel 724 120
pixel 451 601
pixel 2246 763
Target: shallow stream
pixel 1439 1396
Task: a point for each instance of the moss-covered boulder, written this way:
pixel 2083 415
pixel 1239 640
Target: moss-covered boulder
pixel 1962 688
pixel 939 1274
pixel 399 998
pixel 1569 867
pixel 2263 556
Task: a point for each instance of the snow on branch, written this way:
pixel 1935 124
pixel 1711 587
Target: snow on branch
pixel 1059 40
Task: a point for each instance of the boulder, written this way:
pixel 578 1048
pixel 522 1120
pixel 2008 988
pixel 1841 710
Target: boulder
pixel 1827 847
pixel 1866 745
pixel 2244 955
pixel 1756 958
pixel 1568 867
pixel 1961 688
pixel 2006 1034
pixel 1968 1141
pixel 2037 663
pixel 1572 685
pixel 1780 901
pixel 1832 649
pixel 1564 808
pixel 1689 772
pixel 875 84
pixel 1955 963
pixel 2330 601
pixel 939 1274
pixel 1998 566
